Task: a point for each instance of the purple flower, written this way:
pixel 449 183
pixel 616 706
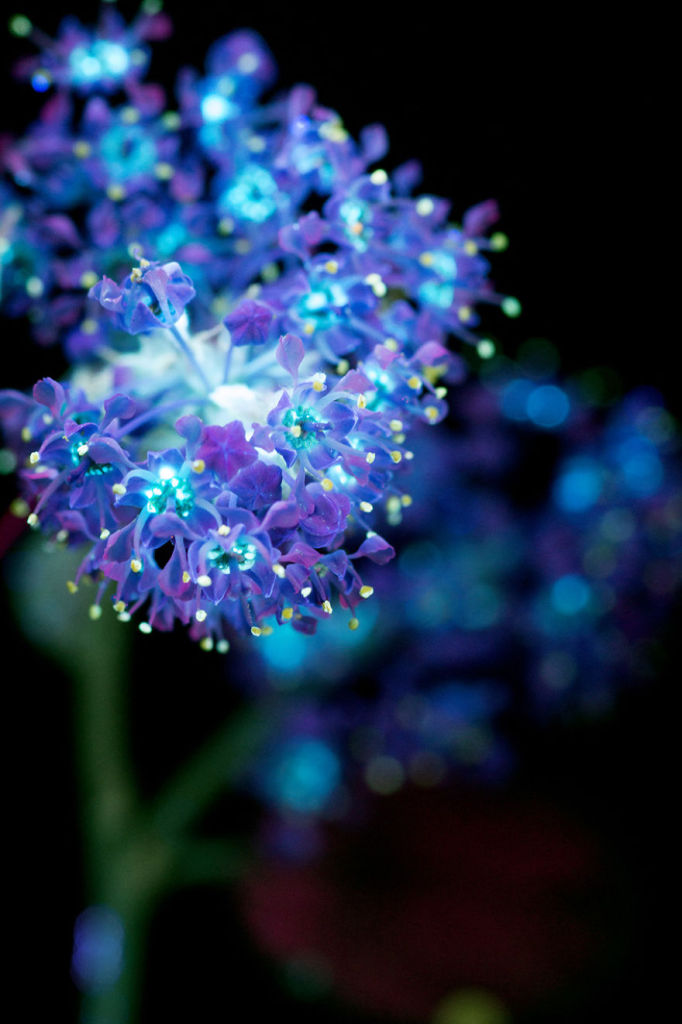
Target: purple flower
pixel 249 323
pixel 152 296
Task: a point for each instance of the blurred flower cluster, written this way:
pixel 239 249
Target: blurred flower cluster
pixel 239 411
pixel 532 577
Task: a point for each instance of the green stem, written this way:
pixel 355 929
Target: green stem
pixel 126 867
pixel 200 780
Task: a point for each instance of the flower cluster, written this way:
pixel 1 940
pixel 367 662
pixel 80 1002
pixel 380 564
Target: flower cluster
pixel 237 419
pixel 562 561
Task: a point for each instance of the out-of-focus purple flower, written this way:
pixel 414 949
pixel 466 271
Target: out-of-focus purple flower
pixel 249 323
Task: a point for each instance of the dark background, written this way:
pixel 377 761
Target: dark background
pixel 560 121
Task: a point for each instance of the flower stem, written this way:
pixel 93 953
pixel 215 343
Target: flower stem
pixel 191 358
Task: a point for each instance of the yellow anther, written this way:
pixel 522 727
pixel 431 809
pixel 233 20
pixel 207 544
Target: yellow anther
pixel 82 449
pixel 242 246
pixel 464 313
pixel 32 520
pixel 25 433
pixel 206 643
pixel 377 285
pixel 95 611
pixel 82 149
pixel 130 115
pixel 116 192
pixel 296 430
pixel 34 457
pixel 406 500
pixel 396 456
pixel 399 438
pixel 357 228
pixel 35 287
pixel 104 533
pixel 353 623
pixel 226 226
pixel 266 630
pixel 120 607
pixel 332 267
pixel 143 627
pixel 287 613
pixel 204 581
pixel 342 367
pixel 71 586
pixel 370 457
pixel 279 570
pixel 414 383
pixel 366 591
pixel 327 607
pixel 88 279
pixel 441 392
pixel 118 489
pixel 164 171
pixel 378 177
pixel 19 508
pixel 62 536
pixel 470 248
pixel 256 631
pixel 306 591
pixel 223 530
pixel 424 206
pixel 200 615
pixel 144 263
pixel 391 344
pixel 198 466
pixel 409 455
pixel 223 646
pixel 319 381
pixel 186 577
pixel 89 326
pixel 366 506
pixel 333 131
pixel 434 373
pixel 327 484
pixel 362 401
pixel 396 425
pixel 309 327
pixel 426 259
pixel 136 274
pixel 431 413
pixel 498 241
pixel 135 565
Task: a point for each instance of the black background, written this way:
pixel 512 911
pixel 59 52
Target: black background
pixel 560 120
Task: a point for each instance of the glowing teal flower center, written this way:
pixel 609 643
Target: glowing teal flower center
pixel 302 422
pixel 440 292
pixel 252 196
pixel 321 304
pixel 354 214
pixel 99 469
pixel 102 59
pixel 127 150
pixel 242 555
pixel 170 488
